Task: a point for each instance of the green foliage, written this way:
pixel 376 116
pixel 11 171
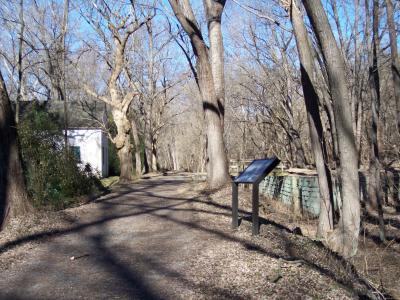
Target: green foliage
pixel 53 178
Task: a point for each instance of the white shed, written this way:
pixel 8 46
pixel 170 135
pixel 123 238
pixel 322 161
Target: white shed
pixel 90 145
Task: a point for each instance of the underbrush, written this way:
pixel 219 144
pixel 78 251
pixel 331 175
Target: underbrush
pixel 53 177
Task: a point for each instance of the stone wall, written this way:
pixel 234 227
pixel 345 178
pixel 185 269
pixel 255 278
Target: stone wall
pixel 302 191
pixel 292 189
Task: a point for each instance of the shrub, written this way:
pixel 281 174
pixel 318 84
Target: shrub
pixel 54 180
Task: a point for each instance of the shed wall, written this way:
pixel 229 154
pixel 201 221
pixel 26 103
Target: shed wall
pixel 90 142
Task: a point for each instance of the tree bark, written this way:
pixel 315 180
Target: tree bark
pixel 311 98
pixel 149 113
pixel 123 144
pixel 345 237
pixel 375 193
pixel 357 88
pixel 217 165
pixel 120 97
pixel 299 155
pixel 214 11
pixel 148 146
pixel 326 97
pixel 13 196
pixel 394 59
pixel 20 54
pixel 136 141
pixel 154 155
pixel 62 81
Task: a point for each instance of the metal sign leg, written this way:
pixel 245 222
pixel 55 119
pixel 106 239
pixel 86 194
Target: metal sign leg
pixel 235 204
pixel 255 210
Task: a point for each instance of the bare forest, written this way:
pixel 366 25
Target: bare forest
pixel 200 88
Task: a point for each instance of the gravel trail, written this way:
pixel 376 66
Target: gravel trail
pixel 155 240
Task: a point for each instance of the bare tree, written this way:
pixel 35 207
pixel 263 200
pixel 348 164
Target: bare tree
pixel 394 58
pixel 156 89
pixel 311 98
pixel 136 141
pixel 20 58
pixel 375 194
pixel 62 80
pixel 214 11
pixel 120 29
pixel 345 237
pixel 217 168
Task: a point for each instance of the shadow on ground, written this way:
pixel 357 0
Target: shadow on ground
pixel 121 272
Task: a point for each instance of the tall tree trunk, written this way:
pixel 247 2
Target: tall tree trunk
pixel 148 147
pixel 150 101
pixel 214 11
pixel 375 193
pixel 394 59
pixel 13 196
pixel 357 88
pixel 217 161
pixel 20 54
pixel 326 97
pixel 360 121
pixel 345 238
pixel 123 144
pixel 136 141
pixel 299 155
pixel 217 164
pixel 307 66
pixel 154 155
pixel 62 82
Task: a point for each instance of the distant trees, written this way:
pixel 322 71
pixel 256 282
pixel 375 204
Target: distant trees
pixel 271 94
pixel 158 80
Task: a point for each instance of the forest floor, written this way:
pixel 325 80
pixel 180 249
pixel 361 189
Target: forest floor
pixel 376 263
pixel 165 238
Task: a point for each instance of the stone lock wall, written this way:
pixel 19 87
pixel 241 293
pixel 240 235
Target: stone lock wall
pixel 302 191
pixel 293 189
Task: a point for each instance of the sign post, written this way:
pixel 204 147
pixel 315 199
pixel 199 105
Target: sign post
pixel 253 174
pixel 235 204
pixel 255 196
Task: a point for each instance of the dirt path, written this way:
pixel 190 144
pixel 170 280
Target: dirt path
pixel 154 240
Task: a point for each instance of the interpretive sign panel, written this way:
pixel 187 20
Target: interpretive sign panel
pixel 257 170
pixel 253 174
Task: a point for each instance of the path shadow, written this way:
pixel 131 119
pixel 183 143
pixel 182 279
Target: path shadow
pixel 115 207
pixel 130 277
